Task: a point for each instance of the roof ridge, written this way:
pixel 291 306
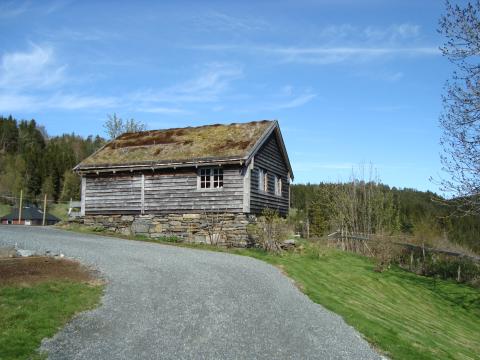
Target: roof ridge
pixel 197 127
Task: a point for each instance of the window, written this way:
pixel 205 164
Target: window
pixel 262 180
pixel 211 178
pixel 278 185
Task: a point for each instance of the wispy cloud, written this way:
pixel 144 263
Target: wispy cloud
pixel 316 165
pixel 297 101
pixel 287 97
pixel 341 43
pixel 35 68
pixel 59 101
pixel 388 108
pixel 68 34
pixel 56 5
pixel 213 82
pixel 163 110
pixel 219 21
pixel 325 55
pixel 75 101
pixel 330 55
pixel 11 9
pixel 34 79
pixel 291 101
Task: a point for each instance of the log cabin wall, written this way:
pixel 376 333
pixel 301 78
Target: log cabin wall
pixel 166 191
pixel 270 159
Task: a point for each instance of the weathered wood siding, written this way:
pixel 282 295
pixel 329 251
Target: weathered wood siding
pixel 269 158
pixel 164 192
pixel 113 194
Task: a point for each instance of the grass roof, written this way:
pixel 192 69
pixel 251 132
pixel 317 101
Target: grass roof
pixel 180 145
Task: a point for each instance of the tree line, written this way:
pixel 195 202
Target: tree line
pixel 370 207
pixel 38 164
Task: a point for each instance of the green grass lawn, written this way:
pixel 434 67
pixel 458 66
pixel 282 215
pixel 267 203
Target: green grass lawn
pixel 404 315
pixel 59 210
pixel 29 314
pixel 4 209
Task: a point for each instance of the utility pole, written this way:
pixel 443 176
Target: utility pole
pixel 44 209
pixel 20 208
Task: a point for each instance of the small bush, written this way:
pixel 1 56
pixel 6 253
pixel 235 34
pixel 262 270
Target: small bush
pixel 269 231
pixel 385 253
pixel 171 239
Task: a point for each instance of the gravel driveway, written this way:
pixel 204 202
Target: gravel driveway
pixel 166 302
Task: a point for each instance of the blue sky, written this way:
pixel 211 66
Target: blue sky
pixel 351 82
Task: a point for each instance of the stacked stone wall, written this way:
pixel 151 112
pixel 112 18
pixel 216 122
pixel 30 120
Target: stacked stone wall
pixel 227 229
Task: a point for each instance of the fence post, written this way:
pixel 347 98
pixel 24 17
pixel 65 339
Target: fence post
pixel 44 209
pixel 20 208
pixel 308 228
pixel 142 196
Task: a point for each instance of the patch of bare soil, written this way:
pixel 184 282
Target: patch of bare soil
pixel 34 270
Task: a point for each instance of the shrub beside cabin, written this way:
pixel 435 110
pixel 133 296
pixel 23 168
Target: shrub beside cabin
pixel 188 182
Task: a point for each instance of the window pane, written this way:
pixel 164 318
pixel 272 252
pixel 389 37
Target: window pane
pixel 205 178
pixel 211 178
pixel 217 178
pixel 260 179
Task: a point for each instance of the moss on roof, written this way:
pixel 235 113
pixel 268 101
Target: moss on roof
pixel 180 144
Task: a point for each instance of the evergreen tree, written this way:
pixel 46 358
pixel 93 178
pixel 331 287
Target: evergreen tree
pixel 71 186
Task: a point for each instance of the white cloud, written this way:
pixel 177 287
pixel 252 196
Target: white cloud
pixel 331 55
pixel 209 86
pixel 315 165
pixel 163 110
pixel 17 102
pixel 287 97
pixel 341 43
pixel 392 77
pixel 29 81
pixel 10 9
pixel 87 34
pixel 369 34
pixel 218 21
pixel 325 55
pixel 36 68
pixel 297 101
pixel 74 101
pixel 30 103
pixel 388 108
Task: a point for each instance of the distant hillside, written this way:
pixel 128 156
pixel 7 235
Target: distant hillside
pixel 36 163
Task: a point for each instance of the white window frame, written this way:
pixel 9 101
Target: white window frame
pixel 278 185
pixel 212 178
pixel 263 180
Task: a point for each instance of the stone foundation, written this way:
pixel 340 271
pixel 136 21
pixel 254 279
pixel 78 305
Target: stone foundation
pixel 226 229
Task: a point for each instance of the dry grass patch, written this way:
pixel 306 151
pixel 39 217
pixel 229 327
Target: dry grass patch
pixel 34 270
pixel 38 296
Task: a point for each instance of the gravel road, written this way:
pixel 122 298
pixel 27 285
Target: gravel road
pixel 166 302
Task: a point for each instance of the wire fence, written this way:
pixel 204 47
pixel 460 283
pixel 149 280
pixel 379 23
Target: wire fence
pixel 14 199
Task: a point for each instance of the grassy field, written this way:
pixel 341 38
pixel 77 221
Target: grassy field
pixel 404 315
pixel 4 209
pixel 59 210
pixel 36 301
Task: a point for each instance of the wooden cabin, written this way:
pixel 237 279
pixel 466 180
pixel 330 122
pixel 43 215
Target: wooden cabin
pixel 237 169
